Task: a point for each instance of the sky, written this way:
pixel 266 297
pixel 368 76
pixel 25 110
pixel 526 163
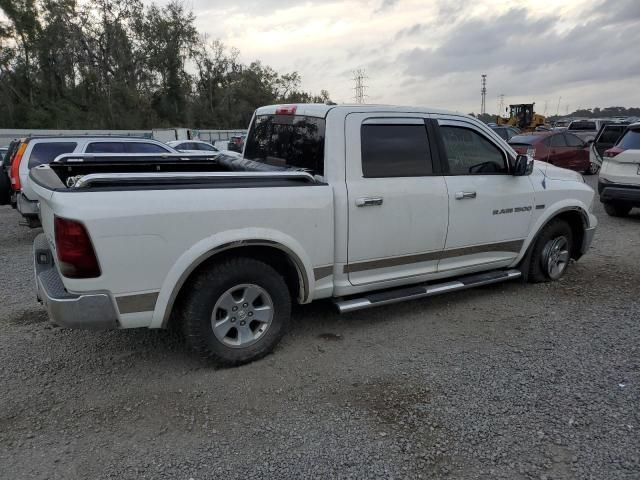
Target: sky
pixel 572 53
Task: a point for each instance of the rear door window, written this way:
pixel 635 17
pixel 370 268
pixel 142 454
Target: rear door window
pixel 557 141
pixel 105 147
pixel 395 151
pixel 142 147
pixel 573 141
pixel 45 152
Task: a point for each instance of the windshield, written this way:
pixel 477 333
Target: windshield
pixel 287 141
pixel 630 140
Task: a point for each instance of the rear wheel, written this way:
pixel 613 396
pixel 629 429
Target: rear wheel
pixel 236 312
pixel 616 210
pixel 551 252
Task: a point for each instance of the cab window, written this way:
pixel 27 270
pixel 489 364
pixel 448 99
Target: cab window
pixel 469 153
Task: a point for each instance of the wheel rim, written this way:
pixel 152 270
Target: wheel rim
pixel 556 256
pixel 242 315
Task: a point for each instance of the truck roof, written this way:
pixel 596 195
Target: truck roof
pixel 321 109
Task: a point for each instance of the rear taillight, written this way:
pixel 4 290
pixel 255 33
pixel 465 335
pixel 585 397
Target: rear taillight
pixel 76 256
pixel 612 152
pixel 15 167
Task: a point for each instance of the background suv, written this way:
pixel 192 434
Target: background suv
pixel 35 151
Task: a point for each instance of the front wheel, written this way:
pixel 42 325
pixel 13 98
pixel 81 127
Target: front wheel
pixel 551 252
pixel 236 311
pixel 614 210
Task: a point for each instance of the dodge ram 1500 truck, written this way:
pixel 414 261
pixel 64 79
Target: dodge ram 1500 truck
pixel 367 205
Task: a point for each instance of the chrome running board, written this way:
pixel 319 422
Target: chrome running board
pixel 419 291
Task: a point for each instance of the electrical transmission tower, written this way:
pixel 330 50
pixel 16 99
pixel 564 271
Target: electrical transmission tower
pixel 500 104
pixel 359 77
pixel 483 92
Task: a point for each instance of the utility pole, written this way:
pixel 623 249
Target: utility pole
pixel 500 104
pixel 558 109
pixel 359 89
pixel 545 108
pixel 483 92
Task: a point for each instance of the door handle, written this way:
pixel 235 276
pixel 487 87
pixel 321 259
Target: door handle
pixel 463 195
pixel 368 201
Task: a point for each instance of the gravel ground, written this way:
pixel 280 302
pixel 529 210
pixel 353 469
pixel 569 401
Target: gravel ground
pixel 510 381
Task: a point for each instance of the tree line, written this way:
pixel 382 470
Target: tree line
pixel 118 64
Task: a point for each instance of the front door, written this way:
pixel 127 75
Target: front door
pixel 398 207
pixel 489 209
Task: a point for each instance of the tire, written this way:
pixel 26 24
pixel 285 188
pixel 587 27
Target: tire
pixel 614 210
pixel 224 328
pixel 593 169
pixel 551 252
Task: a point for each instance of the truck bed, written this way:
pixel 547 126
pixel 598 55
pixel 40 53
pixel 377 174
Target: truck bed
pixel 109 172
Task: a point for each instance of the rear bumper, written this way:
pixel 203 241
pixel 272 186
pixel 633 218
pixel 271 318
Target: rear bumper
pixel 28 208
pixel 93 310
pixel 619 193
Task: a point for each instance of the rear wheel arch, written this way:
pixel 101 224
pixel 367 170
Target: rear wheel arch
pixel 279 257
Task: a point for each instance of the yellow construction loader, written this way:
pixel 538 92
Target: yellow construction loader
pixel 523 117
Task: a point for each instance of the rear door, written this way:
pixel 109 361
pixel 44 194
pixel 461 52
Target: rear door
pixel 397 201
pixel 606 138
pixel 489 209
pixel 559 152
pixel 579 151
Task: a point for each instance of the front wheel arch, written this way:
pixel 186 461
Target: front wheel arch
pixel 577 219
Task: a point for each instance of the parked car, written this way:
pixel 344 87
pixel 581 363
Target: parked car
pixel 505 132
pixel 605 139
pixel 34 151
pixel 5 183
pixel 558 148
pixel 7 171
pixel 192 146
pixel 587 129
pixel 236 143
pixel 619 180
pixel 328 202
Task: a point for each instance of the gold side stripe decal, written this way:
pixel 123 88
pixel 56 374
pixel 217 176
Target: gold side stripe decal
pixel 145 302
pixel 510 246
pixel 322 272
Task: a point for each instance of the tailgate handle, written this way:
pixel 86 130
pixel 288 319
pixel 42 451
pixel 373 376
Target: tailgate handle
pixel 463 195
pixel 368 201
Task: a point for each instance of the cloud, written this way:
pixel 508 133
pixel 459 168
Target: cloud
pixel 417 52
pixel 386 5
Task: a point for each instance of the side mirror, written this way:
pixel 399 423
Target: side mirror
pixel 523 166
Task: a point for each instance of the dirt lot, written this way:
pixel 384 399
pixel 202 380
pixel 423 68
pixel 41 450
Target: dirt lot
pixel 511 381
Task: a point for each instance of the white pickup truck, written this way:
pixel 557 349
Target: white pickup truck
pixel 367 205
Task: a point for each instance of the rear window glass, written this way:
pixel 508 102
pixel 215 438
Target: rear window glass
pixel 395 151
pixel 610 135
pixel 45 153
pixel 502 132
pixel 630 140
pixel 287 141
pixel 523 140
pixel 582 125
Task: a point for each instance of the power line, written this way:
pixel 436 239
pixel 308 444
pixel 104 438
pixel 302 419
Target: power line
pixel 483 93
pixel 358 77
